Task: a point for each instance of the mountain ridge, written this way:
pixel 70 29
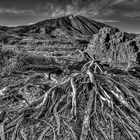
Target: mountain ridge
pixel 78 25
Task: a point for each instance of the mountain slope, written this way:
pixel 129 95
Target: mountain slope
pixel 70 24
pixel 77 27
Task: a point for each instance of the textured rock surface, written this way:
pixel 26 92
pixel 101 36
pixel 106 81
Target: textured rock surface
pixel 113 46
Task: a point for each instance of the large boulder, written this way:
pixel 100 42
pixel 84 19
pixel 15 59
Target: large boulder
pixel 113 46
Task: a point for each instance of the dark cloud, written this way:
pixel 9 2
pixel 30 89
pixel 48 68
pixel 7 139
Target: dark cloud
pixel 115 12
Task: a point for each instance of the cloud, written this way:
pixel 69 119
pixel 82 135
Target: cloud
pixel 51 10
pixel 133 14
pixel 102 10
pixel 96 10
pixel 108 12
pixel 116 2
pixel 124 2
pixel 30 23
pixel 90 11
pixel 16 11
pixel 89 8
pixel 107 20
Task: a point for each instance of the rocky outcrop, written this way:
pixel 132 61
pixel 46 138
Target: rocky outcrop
pixel 113 46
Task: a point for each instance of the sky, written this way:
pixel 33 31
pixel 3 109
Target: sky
pixel 124 14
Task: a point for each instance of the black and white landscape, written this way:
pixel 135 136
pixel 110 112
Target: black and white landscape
pixel 72 76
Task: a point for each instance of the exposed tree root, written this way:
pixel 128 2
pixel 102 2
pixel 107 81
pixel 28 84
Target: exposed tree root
pixel 92 96
pixel 2 134
pixel 16 129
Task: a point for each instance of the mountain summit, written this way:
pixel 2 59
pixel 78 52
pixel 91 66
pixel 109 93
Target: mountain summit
pixel 77 25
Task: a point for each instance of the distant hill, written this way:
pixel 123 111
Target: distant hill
pixel 78 27
pixel 74 25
